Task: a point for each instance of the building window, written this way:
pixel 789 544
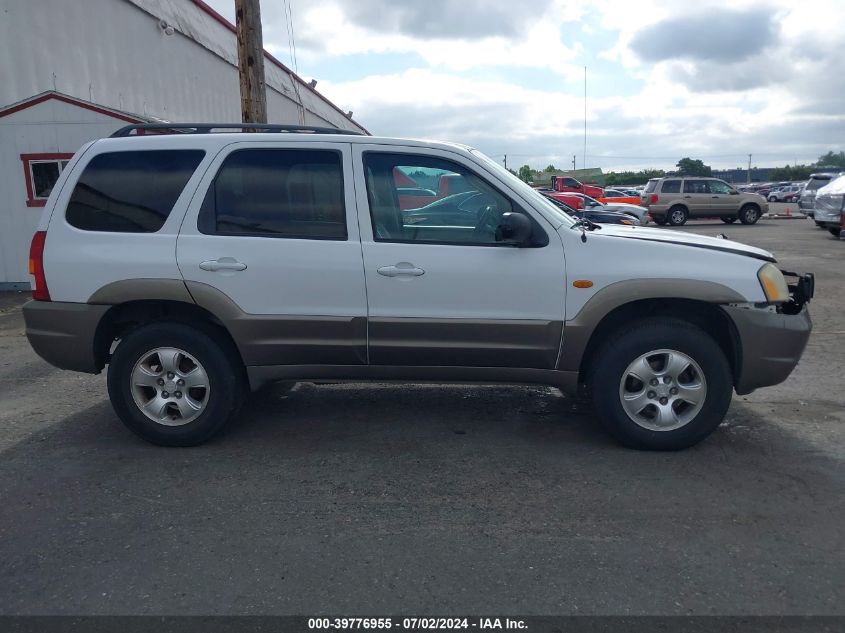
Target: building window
pixel 41 171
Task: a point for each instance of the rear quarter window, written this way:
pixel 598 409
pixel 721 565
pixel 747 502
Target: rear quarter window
pixel 130 192
pixel 650 186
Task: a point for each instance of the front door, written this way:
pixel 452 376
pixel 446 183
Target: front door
pixel 442 289
pixel 723 197
pixel 270 244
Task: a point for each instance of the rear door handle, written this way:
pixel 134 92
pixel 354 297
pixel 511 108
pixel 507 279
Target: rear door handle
pixel 224 263
pixel 402 269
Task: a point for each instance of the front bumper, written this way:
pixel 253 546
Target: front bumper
pixel 64 334
pixel 770 345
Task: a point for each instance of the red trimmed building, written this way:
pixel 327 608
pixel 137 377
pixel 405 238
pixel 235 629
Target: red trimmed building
pixel 74 72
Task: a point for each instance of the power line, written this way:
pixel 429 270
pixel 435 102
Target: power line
pixel 294 61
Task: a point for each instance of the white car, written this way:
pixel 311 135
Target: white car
pixel 199 266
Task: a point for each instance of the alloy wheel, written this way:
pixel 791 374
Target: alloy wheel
pixel 169 386
pixel 662 390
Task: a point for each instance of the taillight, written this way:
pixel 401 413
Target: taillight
pixel 652 199
pixel 36 266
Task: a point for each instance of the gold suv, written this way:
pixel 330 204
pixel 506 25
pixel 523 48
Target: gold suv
pixel 674 200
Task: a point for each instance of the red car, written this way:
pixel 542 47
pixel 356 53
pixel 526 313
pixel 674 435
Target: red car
pixel 565 184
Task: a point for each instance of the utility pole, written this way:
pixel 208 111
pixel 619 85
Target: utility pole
pixel 585 117
pixel 506 161
pixel 749 169
pixel 573 163
pixel 251 61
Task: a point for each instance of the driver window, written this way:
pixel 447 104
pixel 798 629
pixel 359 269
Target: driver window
pixel 417 198
pixel 717 186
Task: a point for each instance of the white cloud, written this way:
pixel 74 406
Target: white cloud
pixel 779 96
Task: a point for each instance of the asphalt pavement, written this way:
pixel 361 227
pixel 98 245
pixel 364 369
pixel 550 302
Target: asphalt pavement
pixel 374 499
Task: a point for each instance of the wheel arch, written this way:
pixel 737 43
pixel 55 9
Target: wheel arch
pixel 125 317
pixel 697 302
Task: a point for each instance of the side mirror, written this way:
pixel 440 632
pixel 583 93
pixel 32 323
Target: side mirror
pixel 734 192
pixel 514 228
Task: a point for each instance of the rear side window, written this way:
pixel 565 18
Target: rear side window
pixel 671 186
pixel 817 183
pixel 130 192
pixel 290 193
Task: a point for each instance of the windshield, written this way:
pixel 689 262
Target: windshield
pixel 534 196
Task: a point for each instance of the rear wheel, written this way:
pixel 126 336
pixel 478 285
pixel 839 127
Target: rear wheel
pixel 729 220
pixel 659 219
pixel 677 215
pixel 661 384
pixel 173 384
pixel 749 214
pixel 835 232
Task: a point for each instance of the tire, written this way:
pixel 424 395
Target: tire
pixel 659 220
pixel 141 360
pixel 609 380
pixel 729 220
pixel 835 232
pixel 749 214
pixel 677 215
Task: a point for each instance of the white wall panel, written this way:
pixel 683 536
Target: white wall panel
pixel 114 53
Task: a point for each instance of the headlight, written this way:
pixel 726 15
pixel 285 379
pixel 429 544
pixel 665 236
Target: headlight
pixel 774 285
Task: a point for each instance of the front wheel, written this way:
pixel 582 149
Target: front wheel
pixel 749 214
pixel 173 385
pixel 661 384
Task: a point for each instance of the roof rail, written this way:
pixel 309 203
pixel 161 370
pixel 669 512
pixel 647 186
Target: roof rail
pixel 206 128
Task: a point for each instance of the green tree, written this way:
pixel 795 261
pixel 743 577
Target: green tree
pixel 526 174
pixel 693 167
pixel 832 159
pixel 550 168
pixel 792 172
pixel 619 178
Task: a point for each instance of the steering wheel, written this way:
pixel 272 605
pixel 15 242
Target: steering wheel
pixel 487 223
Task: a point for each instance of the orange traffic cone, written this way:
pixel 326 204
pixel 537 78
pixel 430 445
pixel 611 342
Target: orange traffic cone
pixel 788 212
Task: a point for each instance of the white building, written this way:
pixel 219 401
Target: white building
pixel 76 71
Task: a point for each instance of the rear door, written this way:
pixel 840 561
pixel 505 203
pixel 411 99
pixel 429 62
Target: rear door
pixel 447 293
pixel 270 242
pixel 696 195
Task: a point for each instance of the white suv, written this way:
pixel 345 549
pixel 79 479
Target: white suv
pixel 199 266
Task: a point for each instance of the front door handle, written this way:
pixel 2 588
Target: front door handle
pixel 224 263
pixel 401 269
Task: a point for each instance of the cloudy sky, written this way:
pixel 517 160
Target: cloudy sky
pixel 709 79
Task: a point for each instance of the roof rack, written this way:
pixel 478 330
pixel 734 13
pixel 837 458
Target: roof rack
pixel 140 129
